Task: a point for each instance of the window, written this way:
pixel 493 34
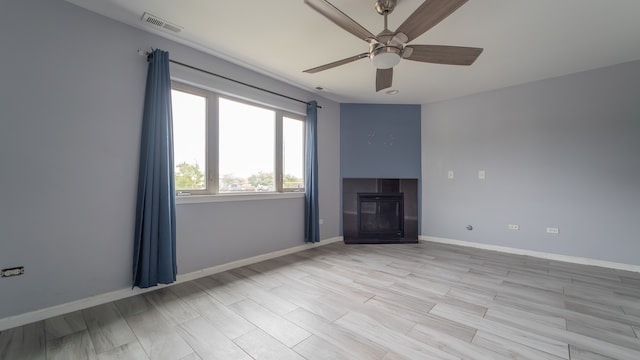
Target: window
pixel 293 154
pixel 226 145
pixel 189 140
pixel 246 147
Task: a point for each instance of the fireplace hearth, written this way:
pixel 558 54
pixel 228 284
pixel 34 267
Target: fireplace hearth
pixel 380 211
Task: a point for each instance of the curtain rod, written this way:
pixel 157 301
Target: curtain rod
pixel 146 53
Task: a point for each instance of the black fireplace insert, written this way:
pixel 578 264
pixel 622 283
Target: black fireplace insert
pixel 380 210
pixel 381 216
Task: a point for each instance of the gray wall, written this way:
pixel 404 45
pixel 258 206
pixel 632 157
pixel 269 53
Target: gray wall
pixel 71 106
pixel 561 152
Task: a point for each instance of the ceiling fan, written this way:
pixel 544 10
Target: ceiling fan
pixel 388 47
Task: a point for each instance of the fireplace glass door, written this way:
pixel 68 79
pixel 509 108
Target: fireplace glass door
pixel 381 215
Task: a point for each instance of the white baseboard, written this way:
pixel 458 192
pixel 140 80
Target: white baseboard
pixel 37 315
pixel 538 254
pixel 252 260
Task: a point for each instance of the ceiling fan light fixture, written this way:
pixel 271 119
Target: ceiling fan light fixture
pixel 386 57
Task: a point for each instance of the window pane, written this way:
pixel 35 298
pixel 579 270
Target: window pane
pixel 189 140
pixel 293 153
pixel 246 147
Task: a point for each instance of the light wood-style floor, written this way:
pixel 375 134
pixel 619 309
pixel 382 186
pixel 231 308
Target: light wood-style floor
pixel 410 301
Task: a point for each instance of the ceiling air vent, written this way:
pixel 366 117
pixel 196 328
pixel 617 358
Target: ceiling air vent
pixel 158 22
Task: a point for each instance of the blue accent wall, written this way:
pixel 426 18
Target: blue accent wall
pixel 380 141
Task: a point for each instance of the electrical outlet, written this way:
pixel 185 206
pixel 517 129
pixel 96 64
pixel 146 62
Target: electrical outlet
pixel 321 221
pixel 513 227
pixel 553 230
pixel 15 271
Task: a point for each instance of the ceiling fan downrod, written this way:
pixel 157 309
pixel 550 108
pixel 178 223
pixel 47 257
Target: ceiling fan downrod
pixel 384 8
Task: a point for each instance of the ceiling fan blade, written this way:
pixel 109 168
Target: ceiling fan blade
pixel 442 54
pixel 336 63
pixel 384 78
pixel 428 15
pixel 339 18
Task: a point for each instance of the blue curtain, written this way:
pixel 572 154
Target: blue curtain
pixel 154 252
pixel 311 219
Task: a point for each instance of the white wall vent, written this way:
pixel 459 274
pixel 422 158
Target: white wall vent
pixel 158 22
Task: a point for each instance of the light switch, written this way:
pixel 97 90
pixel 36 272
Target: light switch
pixel 481 174
pixel 450 174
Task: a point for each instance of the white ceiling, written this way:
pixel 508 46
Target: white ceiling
pixel 523 41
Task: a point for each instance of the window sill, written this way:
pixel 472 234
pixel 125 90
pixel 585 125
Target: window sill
pixel 197 199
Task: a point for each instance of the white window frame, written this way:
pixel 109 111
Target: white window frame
pixel 212 151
